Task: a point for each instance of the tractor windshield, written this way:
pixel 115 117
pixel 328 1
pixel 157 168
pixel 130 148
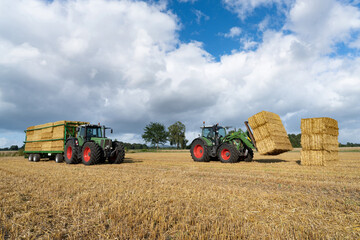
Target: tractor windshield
pixel 93 132
pixel 208 132
pixel 221 132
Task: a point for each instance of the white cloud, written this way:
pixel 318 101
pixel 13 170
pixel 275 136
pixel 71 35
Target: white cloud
pixel 124 66
pixel 244 8
pixel 234 32
pixel 323 23
pixel 200 16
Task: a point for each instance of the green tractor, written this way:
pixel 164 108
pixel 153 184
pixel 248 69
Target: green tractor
pixel 91 146
pixel 228 148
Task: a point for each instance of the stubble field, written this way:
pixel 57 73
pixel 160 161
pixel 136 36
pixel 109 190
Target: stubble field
pixel 166 195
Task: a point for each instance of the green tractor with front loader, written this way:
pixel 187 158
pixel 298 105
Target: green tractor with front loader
pixel 91 146
pixel 215 143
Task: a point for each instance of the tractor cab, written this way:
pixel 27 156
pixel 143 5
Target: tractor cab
pixel 91 132
pixel 213 133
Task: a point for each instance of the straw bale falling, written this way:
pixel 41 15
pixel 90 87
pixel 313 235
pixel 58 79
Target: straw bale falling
pixel 269 133
pixel 319 141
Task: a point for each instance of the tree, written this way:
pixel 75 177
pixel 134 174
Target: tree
pixel 177 135
pixel 155 133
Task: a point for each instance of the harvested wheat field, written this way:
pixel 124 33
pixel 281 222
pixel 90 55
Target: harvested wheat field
pixel 168 196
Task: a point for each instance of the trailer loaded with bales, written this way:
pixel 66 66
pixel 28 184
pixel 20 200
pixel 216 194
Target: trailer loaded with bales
pixel 73 142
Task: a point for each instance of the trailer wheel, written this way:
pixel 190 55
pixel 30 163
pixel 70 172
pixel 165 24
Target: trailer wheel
pixel 199 151
pixel 91 153
pixel 31 157
pixel 249 156
pixel 71 153
pixel 119 154
pixel 59 158
pixel 36 157
pixel 227 153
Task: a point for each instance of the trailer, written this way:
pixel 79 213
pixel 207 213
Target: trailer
pixel 73 141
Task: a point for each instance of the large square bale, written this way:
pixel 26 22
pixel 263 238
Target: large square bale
pixel 269 133
pixel 319 141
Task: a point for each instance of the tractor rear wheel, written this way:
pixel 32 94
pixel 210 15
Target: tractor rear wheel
pixel 71 153
pixel 199 151
pixel 227 153
pixel 119 155
pixel 249 156
pixel 91 153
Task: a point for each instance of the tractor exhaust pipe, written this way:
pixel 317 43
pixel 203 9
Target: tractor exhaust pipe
pixel 251 134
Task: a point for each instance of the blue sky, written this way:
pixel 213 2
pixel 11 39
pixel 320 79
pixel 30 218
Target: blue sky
pixel 210 22
pixel 128 63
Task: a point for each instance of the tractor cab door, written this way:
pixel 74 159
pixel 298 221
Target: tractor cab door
pixel 81 135
pixel 208 132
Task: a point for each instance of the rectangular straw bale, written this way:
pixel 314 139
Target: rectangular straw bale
pixel 319 142
pixel 269 133
pixel 57 145
pixel 323 125
pixel 314 158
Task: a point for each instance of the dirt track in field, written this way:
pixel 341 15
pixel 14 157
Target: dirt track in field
pixel 168 196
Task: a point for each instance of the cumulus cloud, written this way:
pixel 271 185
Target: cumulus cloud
pixel 323 23
pixel 121 63
pixel 244 8
pixel 234 32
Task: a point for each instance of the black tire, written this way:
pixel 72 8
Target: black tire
pixel 59 158
pixel 119 155
pixel 249 156
pixel 31 157
pixel 71 153
pixel 227 153
pixel 199 151
pixel 91 153
pixel 36 157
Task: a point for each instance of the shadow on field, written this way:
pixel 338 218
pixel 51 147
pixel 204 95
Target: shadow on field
pixel 130 160
pixel 269 160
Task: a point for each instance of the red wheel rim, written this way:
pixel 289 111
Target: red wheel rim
pixel 198 151
pixel 69 152
pixel 87 153
pixel 225 154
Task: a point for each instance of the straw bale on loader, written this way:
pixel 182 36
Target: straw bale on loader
pixel 269 133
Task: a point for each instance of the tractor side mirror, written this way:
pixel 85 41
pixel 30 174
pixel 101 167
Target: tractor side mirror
pixel 111 130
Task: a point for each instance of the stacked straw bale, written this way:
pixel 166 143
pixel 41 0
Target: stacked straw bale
pixel 319 141
pixel 269 133
pixel 48 131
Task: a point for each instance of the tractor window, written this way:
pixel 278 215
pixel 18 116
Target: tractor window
pixel 208 133
pixel 93 132
pixel 82 131
pixel 221 132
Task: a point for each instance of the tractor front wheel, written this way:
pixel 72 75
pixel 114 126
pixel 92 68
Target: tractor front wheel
pixel 227 153
pixel 71 153
pixel 199 151
pixel 249 156
pixel 91 153
pixel 119 155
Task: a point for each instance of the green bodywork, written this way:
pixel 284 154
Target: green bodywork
pixel 233 138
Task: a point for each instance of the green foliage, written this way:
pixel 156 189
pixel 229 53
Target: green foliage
pixel 177 135
pixel 349 144
pixel 155 134
pixel 295 140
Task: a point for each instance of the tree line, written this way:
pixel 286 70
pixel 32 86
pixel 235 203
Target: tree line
pixel 155 133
